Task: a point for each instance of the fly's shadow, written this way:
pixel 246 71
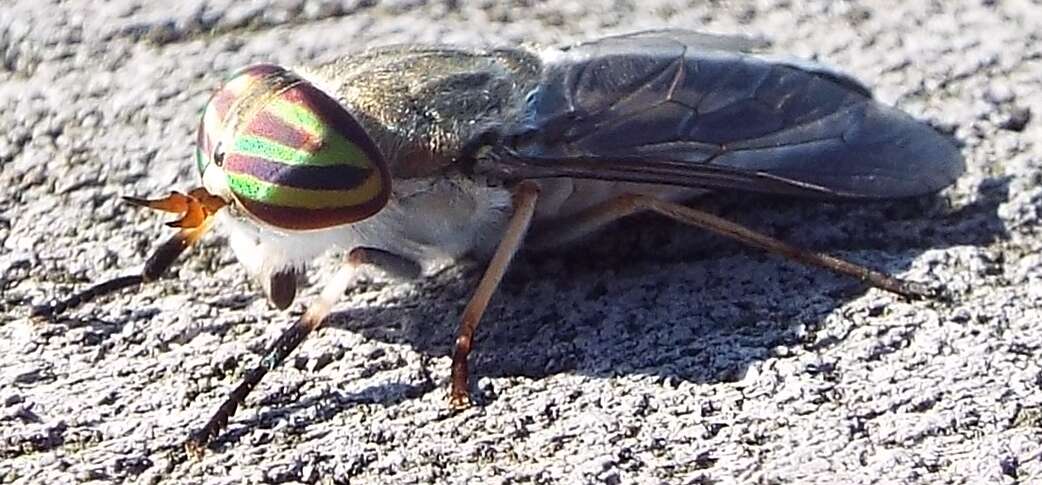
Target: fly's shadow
pixel 651 297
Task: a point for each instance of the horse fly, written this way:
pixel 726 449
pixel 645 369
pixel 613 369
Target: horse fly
pixel 406 155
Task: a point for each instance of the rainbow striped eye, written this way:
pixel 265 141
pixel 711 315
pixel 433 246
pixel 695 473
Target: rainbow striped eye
pixel 291 155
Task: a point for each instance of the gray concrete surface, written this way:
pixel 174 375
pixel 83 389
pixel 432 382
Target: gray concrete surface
pixel 656 355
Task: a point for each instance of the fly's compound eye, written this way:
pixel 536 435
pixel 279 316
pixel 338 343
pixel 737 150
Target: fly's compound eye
pixel 296 159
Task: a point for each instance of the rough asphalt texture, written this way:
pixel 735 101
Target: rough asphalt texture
pixel 656 354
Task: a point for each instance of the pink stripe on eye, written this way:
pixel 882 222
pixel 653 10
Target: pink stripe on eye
pixel 222 102
pixel 266 125
pixel 303 219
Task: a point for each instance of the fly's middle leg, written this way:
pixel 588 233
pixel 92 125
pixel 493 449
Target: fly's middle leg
pixel 525 195
pixel 597 216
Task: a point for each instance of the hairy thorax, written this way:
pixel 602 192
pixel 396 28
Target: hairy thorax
pixel 428 108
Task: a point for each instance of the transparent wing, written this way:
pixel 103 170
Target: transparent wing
pixel 684 108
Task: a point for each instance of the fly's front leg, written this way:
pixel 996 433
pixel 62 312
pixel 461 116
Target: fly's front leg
pixel 599 215
pixel 290 339
pixel 525 195
pixel 157 264
pixel 281 286
pixel 396 266
pixel 294 335
pixel 275 355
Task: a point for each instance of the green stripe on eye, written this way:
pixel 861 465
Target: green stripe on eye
pixel 298 116
pixel 335 150
pixel 252 188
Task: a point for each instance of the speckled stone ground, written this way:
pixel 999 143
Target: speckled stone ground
pixel 656 354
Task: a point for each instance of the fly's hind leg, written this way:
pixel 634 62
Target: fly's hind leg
pixel 596 217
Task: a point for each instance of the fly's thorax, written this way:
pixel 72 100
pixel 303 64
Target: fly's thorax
pixel 426 107
pixel 287 154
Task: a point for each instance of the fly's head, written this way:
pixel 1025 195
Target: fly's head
pixel 286 158
pixel 287 155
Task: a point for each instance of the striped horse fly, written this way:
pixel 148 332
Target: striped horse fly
pixel 405 156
